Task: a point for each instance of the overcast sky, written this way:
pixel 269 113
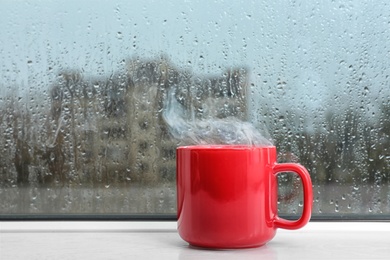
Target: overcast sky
pixel 316 47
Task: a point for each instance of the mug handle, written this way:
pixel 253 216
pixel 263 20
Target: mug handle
pixel 307 195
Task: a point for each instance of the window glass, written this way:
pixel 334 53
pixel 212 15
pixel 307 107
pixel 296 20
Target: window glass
pixel 86 87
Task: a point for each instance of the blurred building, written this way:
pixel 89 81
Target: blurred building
pixel 143 143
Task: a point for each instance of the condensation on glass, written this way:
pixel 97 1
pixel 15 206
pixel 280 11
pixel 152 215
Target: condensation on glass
pixel 83 89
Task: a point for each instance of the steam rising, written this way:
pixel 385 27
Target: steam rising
pixel 193 131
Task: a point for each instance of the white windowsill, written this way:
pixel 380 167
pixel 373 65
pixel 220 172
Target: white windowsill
pixel 159 240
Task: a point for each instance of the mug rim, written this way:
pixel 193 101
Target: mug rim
pixel 224 147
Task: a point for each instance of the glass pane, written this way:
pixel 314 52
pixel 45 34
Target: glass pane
pixel 87 89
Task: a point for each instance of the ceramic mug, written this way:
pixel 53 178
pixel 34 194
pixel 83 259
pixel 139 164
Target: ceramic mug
pixel 227 195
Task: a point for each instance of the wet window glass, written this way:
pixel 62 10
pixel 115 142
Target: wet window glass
pixel 95 96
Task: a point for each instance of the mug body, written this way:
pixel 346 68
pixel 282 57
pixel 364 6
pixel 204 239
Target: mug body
pixel 226 195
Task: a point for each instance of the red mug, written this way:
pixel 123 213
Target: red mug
pixel 227 195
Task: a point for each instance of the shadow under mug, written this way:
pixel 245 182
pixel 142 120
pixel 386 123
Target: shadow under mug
pixel 227 195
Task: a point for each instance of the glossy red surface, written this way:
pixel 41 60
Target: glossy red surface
pixel 227 195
